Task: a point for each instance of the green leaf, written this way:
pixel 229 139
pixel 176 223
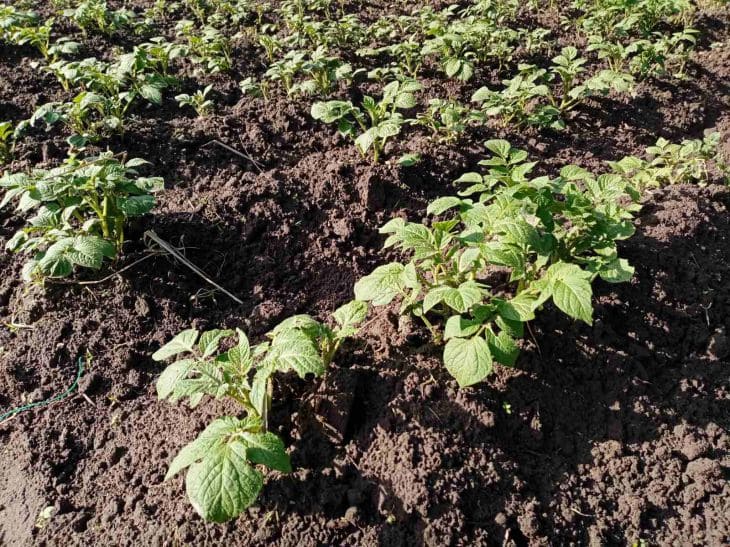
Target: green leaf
pixel 570 287
pixel 260 388
pixel 223 484
pixel 440 205
pixel 215 434
pixel 468 359
pixel 210 340
pixel 503 347
pixel 183 342
pixel 459 327
pixel 459 299
pixel 135 206
pixel 172 375
pixel 295 350
pixel 382 285
pixel 499 147
pixel 89 251
pixel 349 316
pixel 240 354
pixel 617 271
pixel 267 449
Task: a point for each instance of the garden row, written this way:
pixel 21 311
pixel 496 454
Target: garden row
pixel 486 262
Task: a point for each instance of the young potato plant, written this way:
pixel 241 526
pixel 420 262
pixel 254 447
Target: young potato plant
pixel 223 478
pixel 374 122
pixel 80 210
pixel 447 119
pixel 197 100
pixel 108 91
pixel 208 46
pixel 96 16
pixel 671 163
pixel 530 98
pixel 502 249
pixel 7 142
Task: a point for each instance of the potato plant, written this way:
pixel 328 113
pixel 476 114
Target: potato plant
pixel 79 212
pixel 373 122
pixel 7 142
pixel 198 101
pixel 674 163
pixel 222 478
pixel 553 237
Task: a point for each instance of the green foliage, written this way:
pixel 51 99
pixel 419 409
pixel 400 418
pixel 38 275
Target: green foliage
pixel 551 236
pixel 321 72
pixel 222 478
pixel 96 16
pixel 208 46
pixel 80 210
pixel 670 163
pixel 530 98
pixel 7 142
pixel 447 119
pixel 108 91
pixel 197 100
pixel 374 122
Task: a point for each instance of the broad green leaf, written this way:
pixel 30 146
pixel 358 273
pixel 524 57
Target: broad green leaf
pixel 382 285
pixel 267 449
pixel 294 350
pixel 520 308
pixel 617 271
pixel 134 206
pixel 210 340
pixel 301 322
pixel 468 359
pixel 240 354
pixel 460 327
pixel 570 287
pixel 443 204
pixel 499 147
pixel 503 347
pixel 349 316
pixel 183 342
pixel 172 375
pixel 223 484
pixel 215 434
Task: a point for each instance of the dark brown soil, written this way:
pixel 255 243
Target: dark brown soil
pixel 602 435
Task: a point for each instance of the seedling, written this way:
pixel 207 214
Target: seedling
pixel 81 208
pixel 552 236
pixel 222 478
pixel 376 122
pixel 7 142
pixel 198 101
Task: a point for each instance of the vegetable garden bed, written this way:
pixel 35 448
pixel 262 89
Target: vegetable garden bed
pixel 574 392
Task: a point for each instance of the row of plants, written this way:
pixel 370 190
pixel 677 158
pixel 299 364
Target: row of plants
pixel 298 43
pixel 485 263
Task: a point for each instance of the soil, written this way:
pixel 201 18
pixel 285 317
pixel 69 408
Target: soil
pixel 600 435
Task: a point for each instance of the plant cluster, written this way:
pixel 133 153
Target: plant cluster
pixel 96 16
pixel 79 212
pixel 499 251
pixel 373 122
pixel 674 163
pixel 542 97
pixel 222 478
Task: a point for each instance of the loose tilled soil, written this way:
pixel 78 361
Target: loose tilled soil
pixel 603 434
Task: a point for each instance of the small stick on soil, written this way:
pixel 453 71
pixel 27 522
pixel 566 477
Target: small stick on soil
pixel 582 514
pixel 238 153
pixel 176 254
pixel 534 339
